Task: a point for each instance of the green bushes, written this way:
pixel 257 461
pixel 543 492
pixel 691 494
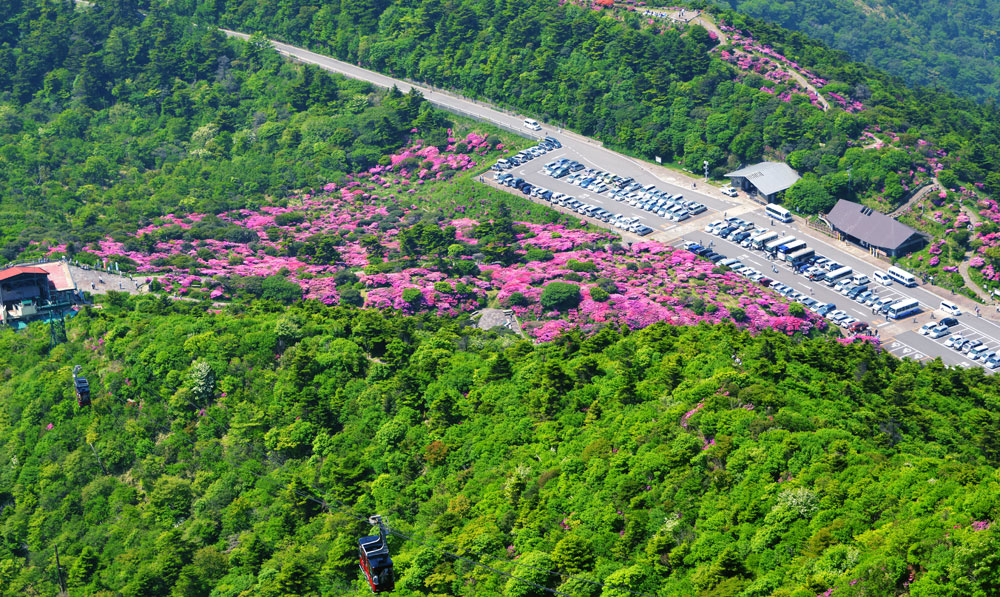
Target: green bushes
pixel 560 296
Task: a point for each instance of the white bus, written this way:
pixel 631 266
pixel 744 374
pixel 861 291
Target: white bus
pixel 903 309
pixel 837 275
pixel 799 257
pixel 773 210
pixel 772 247
pixel 762 239
pixel 787 249
pixel 902 276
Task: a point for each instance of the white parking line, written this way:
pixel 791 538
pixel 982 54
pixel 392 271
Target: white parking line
pixel 898 347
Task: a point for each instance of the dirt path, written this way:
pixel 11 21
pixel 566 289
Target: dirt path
pixel 809 87
pixel 700 18
pixel 963 269
pixel 921 193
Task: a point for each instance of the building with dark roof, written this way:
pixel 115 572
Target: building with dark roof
pixel 765 179
pixel 873 230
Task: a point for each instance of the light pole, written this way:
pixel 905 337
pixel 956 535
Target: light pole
pixel 705 164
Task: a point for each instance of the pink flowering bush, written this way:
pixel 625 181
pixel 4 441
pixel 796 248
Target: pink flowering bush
pixel 648 283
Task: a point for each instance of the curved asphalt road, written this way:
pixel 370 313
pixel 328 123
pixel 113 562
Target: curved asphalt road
pixel 904 342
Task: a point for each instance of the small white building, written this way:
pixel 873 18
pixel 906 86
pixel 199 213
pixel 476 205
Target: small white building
pixel 765 179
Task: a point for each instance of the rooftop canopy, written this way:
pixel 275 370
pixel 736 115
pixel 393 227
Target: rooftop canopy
pixel 868 225
pixel 768 177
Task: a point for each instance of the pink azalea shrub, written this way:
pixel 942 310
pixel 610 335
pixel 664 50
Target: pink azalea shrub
pixel 645 284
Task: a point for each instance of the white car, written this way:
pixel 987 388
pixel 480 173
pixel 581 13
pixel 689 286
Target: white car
pixel 979 351
pixel 956 339
pixel 927 328
pixel 710 228
pixel 938 332
pixel 729 192
pixel 950 308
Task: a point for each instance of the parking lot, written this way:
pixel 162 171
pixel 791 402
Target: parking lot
pixel 641 206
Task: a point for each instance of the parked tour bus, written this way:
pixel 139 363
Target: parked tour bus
pixel 903 309
pixel 772 247
pixel 902 276
pixel 837 275
pixel 773 210
pixel 762 239
pixel 785 250
pixel 801 256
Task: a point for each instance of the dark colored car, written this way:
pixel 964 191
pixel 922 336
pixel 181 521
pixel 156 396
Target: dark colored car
pixel 858 326
pixel 949 321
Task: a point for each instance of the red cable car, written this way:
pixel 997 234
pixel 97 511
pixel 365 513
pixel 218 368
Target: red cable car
pixel 373 555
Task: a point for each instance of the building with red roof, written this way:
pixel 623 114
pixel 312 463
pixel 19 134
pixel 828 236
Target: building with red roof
pixel 29 292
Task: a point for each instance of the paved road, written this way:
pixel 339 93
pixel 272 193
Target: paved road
pixel 591 153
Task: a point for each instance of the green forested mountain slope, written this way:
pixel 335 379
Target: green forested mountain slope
pixel 674 461
pixel 643 86
pixel 949 45
pixel 108 118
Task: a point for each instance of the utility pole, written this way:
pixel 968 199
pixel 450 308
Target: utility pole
pixel 98 458
pixel 62 583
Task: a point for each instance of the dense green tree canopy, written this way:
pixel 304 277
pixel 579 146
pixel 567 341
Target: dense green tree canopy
pixel 108 119
pixel 733 464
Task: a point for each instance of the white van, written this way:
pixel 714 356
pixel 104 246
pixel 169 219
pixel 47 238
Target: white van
pixel 882 278
pixel 950 308
pixel 532 124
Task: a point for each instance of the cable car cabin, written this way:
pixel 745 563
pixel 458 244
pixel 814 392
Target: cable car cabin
pixel 82 391
pixel 373 554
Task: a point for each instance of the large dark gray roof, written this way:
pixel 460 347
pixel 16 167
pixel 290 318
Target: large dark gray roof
pixel 863 223
pixel 768 177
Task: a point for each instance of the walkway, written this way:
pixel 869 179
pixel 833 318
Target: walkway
pixel 917 197
pixel 100 281
pixel 499 318
pixel 963 269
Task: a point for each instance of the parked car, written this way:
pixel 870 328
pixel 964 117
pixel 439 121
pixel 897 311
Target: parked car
pixel 836 316
pixel 729 192
pixel 950 308
pixel 859 327
pixel 949 322
pixel 825 309
pixel 970 345
pixel 927 328
pixel 938 332
pixel 977 352
pixel 952 341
